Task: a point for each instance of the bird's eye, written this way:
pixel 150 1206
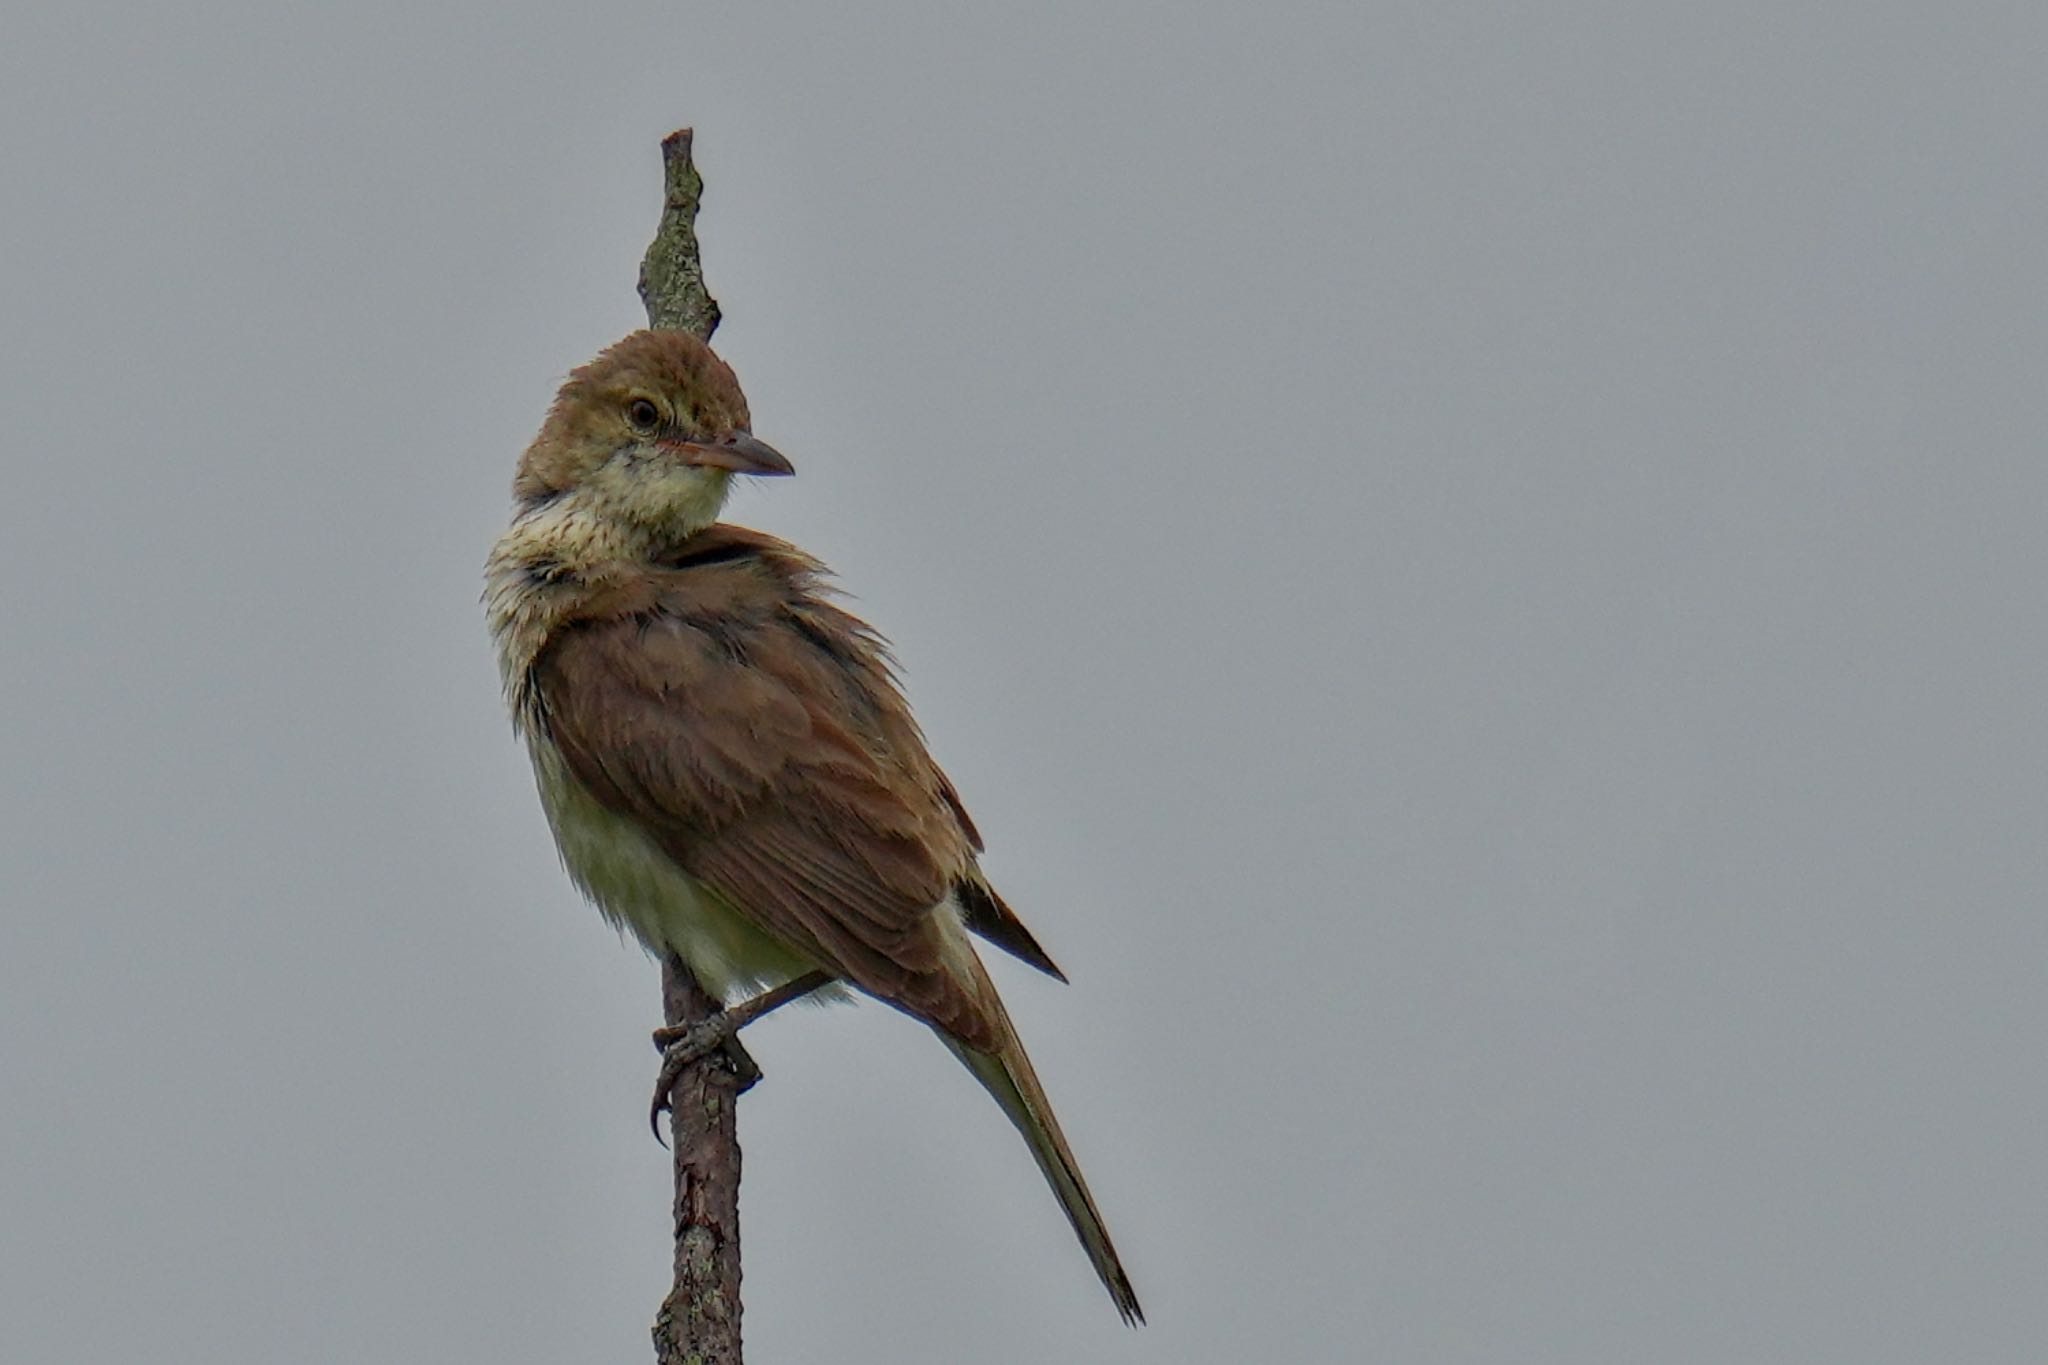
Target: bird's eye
pixel 642 413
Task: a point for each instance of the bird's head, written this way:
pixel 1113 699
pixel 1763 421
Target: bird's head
pixel 646 436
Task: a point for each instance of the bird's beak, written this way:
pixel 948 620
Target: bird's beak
pixel 737 451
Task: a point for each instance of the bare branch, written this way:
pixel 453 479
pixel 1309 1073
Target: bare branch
pixel 671 276
pixel 699 1322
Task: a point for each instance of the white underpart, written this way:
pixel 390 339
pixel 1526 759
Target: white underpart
pixel 639 888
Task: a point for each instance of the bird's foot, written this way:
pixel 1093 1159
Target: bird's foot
pixel 685 1044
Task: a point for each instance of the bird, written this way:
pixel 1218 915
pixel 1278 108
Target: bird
pixel 724 756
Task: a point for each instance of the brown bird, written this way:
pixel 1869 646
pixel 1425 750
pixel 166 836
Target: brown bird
pixel 727 765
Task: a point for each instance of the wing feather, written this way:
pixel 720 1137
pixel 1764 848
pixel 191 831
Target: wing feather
pixel 754 730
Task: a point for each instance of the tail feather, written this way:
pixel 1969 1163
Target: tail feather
pixel 1007 1075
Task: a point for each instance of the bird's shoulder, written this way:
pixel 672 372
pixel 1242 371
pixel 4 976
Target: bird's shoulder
pixel 722 570
pixel 732 623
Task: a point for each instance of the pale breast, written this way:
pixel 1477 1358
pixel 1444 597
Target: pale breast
pixel 639 888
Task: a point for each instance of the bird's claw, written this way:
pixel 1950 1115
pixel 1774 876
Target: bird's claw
pixel 684 1044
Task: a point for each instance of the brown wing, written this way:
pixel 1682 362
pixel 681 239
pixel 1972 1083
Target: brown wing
pixel 753 730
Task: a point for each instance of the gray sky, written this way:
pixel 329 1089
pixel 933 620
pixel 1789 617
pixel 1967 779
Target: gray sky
pixel 1479 566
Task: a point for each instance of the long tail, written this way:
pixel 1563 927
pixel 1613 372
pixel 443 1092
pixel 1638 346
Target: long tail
pixel 1007 1075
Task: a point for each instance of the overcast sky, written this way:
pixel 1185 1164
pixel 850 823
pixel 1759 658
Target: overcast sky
pixel 1480 568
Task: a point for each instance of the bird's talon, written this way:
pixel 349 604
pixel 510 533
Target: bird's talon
pixel 680 1046
pixel 683 1044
